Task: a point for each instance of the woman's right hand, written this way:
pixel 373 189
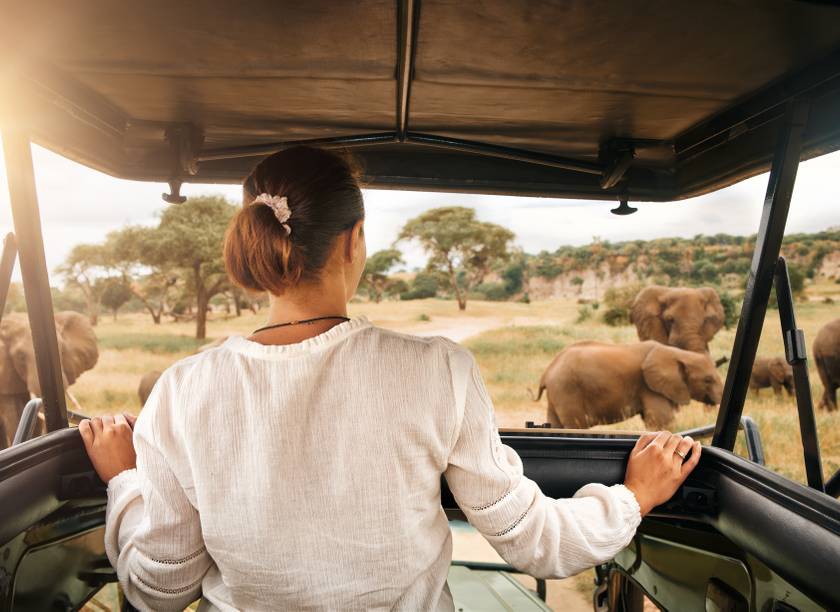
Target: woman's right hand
pixel 656 470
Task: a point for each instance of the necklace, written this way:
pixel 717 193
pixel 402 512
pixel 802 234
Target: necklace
pixel 301 322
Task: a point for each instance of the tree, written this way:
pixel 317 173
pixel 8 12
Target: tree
pixel 139 256
pixel 115 294
pixel 461 247
pixel 84 266
pixel 375 275
pixel 190 237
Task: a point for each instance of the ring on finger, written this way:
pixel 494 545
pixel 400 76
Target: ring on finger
pixel 680 453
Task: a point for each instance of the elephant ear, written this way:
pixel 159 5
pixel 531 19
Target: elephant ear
pixel 13 371
pixel 646 314
pixel 79 350
pixel 714 313
pixel 777 369
pixel 665 373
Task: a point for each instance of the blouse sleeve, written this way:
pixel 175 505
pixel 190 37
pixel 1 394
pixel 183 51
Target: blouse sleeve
pixel 152 530
pixel 544 537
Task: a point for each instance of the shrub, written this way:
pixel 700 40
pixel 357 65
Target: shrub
pixel 495 292
pixel 616 317
pixel 423 286
pixel 730 309
pixel 584 313
pixel 617 302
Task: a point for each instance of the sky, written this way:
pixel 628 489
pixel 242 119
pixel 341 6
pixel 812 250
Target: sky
pixel 81 205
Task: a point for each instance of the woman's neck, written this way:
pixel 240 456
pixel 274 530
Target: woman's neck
pixel 302 304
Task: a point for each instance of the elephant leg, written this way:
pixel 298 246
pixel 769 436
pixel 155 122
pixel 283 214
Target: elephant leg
pixel 552 418
pixel 657 411
pixel 828 401
pixel 830 398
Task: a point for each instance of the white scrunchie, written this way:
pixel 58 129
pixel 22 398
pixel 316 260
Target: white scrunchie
pixel 280 206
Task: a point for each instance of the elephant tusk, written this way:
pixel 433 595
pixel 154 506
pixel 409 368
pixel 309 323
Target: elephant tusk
pixel 75 401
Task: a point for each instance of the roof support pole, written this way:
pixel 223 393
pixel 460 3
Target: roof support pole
pixel 7 265
pixel 762 269
pixel 796 354
pixel 33 269
pixel 408 18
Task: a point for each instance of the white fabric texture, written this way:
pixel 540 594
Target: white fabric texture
pixel 307 477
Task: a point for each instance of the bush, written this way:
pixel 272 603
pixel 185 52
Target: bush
pixel 584 313
pixel 423 286
pixel 495 292
pixel 616 317
pixel 617 302
pixel 730 309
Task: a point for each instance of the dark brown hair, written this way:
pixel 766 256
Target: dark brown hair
pixel 325 200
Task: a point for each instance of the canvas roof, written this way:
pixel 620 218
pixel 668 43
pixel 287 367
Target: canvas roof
pixel 654 100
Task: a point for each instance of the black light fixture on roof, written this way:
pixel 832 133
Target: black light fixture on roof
pixel 623 209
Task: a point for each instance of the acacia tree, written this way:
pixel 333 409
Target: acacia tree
pixel 375 275
pixel 459 246
pixel 190 238
pixel 115 294
pixel 83 268
pixel 137 254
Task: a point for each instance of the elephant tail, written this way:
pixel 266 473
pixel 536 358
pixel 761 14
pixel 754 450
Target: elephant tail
pixel 538 396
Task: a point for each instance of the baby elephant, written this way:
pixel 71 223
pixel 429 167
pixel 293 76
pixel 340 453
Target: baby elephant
pixel 595 383
pixel 772 372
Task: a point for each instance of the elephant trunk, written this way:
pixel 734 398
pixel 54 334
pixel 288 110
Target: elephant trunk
pixel 691 341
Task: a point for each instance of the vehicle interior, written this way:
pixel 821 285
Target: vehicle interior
pixel 645 101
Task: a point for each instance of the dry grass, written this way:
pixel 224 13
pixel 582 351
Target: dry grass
pixel 512 356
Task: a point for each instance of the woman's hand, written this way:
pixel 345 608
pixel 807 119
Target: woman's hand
pixel 658 467
pixel 108 442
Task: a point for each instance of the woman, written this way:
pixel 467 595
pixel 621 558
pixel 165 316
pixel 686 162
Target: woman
pixel 300 468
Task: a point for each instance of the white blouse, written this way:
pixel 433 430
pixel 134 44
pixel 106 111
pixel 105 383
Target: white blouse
pixel 307 477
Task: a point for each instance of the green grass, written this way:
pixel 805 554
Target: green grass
pixel 152 343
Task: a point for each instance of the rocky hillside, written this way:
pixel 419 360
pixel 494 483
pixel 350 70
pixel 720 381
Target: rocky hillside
pixel 721 260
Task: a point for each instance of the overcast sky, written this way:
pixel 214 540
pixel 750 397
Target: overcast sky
pixel 81 205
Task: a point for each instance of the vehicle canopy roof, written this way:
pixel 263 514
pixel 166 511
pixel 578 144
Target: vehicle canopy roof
pixel 652 100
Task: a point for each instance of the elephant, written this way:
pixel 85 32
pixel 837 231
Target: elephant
pixel 595 383
pixel 772 372
pixel 827 358
pixel 18 373
pixel 147 382
pixel 685 318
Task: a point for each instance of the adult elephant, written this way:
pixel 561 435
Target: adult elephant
pixel 772 372
pixel 827 358
pixel 680 317
pixel 18 372
pixel 595 383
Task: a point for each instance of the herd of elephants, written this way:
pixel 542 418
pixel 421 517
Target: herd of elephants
pixel 588 383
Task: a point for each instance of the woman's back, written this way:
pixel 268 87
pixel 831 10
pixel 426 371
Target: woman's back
pixel 341 439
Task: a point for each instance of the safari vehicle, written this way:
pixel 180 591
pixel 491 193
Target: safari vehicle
pixel 624 101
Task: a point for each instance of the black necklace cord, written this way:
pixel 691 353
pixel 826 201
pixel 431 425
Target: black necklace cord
pixel 301 322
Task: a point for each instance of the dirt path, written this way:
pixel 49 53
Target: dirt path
pixel 461 328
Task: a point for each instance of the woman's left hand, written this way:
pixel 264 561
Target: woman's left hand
pixel 108 442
